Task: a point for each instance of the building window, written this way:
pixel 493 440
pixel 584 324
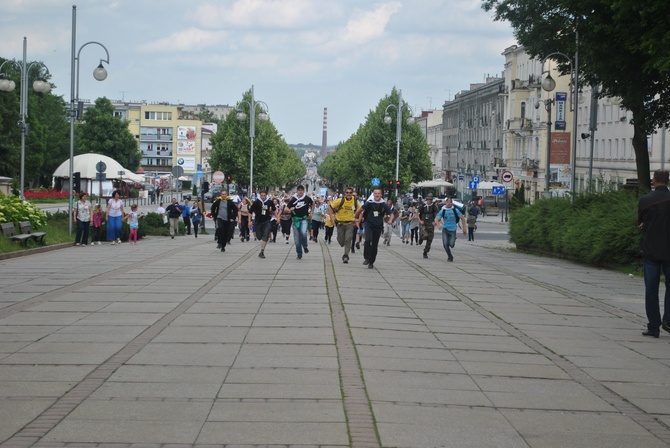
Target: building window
pixel 160 116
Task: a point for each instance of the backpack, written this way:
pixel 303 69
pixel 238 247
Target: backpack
pixel 342 203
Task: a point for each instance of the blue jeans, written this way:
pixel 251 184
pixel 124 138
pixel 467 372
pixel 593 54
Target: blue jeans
pixel 300 236
pixel 448 241
pixel 652 280
pixel 114 228
pixel 405 230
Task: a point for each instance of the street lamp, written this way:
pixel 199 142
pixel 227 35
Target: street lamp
pixel 39 85
pixel 398 133
pixel 263 116
pixel 548 85
pixel 100 74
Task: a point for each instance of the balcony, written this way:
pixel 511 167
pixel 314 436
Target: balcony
pixel 530 164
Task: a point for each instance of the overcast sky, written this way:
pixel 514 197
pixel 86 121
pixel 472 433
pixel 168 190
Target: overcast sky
pixel 301 55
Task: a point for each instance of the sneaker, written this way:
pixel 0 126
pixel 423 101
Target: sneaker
pixel 425 254
pixel 353 251
pixel 76 244
pixel 358 245
pixel 371 266
pixel 366 262
pixel 114 242
pixel 223 249
pixel 665 326
pixel 306 250
pixel 287 241
pixel 450 259
pixel 299 257
pixel 261 255
pixel 83 245
pixel 118 240
pixel 345 259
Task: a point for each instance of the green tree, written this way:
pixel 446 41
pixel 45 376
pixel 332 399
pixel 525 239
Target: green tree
pixel 617 42
pixel 275 163
pixel 371 152
pixel 103 133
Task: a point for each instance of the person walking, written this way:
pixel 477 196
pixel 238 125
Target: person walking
pixel 472 224
pixel 374 211
pixel 96 221
pixel 301 207
pixel 328 226
pixel 262 211
pixel 448 218
pixel 405 219
pixel 186 216
pixel 224 211
pixel 317 219
pixel 82 218
pixel 341 213
pixel 114 216
pixel 133 219
pixel 243 213
pixel 196 217
pixel 388 227
pixel 285 220
pixel 653 218
pixel 414 227
pixel 173 213
pixel 427 213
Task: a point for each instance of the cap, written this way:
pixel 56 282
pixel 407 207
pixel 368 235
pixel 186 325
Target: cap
pixel 429 196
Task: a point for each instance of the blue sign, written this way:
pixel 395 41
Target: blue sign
pixel 199 166
pixel 461 177
pixel 475 179
pixel 473 185
pixel 561 100
pixel 198 174
pixel 495 190
pixel 376 182
pixel 323 192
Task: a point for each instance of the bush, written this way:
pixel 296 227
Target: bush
pixel 598 229
pixel 14 209
pixel 155 226
pixel 46 194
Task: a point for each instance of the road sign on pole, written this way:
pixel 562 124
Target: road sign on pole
pixel 498 190
pixel 473 185
pixel 507 176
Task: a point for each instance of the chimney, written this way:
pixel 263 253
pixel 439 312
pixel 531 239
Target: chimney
pixel 324 139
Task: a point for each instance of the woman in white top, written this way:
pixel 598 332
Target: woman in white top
pixel 82 217
pixel 114 217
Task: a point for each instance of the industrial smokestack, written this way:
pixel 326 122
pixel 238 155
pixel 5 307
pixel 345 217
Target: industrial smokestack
pixel 324 139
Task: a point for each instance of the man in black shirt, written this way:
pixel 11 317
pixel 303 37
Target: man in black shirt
pixel 427 213
pixel 173 212
pixel 374 211
pixel 224 211
pixel 262 209
pixel 301 206
pixel 653 217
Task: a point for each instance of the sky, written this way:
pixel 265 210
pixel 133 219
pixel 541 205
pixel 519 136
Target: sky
pixel 300 55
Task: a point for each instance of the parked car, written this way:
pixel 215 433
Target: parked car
pixel 213 193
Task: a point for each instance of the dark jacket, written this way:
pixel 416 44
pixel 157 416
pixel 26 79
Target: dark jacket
pixel 653 212
pixel 173 210
pixel 232 208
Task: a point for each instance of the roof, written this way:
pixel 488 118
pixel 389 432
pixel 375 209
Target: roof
pixel 85 164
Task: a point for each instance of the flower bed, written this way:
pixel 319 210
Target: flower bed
pixel 46 194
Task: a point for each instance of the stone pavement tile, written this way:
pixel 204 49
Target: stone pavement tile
pixel 102 348
pixel 365 351
pixel 551 429
pixel 145 389
pixel 8 348
pixel 260 335
pixel 140 410
pixel 311 298
pixel 411 365
pixel 429 427
pixel 537 393
pixel 608 360
pixel 281 391
pixel 292 320
pixel 169 374
pixel 274 433
pixel 140 307
pixel 247 360
pixel 44 373
pixel 69 306
pixel 232 299
pixel 43 389
pixel 323 411
pixel 284 350
pixel 203 334
pixel 186 354
pixel 651 398
pixel 642 375
pixel 203 307
pixel 162 296
pixel 478 342
pixel 410 325
pixel 125 431
pixel 54 358
pixel 15 414
pixel 35 318
pixel 103 318
pixel 653 348
pixel 283 376
pixel 92 333
pixel 22 333
pixel 213 320
pixel 514 370
pixel 292 307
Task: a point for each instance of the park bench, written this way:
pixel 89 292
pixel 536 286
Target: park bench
pixel 9 231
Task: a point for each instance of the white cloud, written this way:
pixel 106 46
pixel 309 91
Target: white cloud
pixel 191 39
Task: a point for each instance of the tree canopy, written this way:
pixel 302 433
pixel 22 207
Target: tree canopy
pixel 102 133
pixel 275 163
pixel 622 47
pixel 371 151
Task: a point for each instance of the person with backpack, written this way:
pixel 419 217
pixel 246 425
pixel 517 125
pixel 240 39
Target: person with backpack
pixel 427 213
pixel 341 213
pixel 448 218
pixel 374 211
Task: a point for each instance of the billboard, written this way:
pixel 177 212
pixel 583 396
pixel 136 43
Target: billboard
pixel 185 148
pixel 186 132
pixel 560 148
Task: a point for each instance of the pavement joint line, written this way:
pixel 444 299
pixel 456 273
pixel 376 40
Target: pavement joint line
pixel 355 396
pixel 654 426
pixel 64 405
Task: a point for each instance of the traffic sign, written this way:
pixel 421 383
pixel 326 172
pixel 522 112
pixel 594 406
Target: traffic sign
pixel 507 176
pixel 498 190
pixel 100 167
pixel 177 171
pixel 376 182
pixel 473 185
pixel 475 179
pixel 218 177
pixel 461 177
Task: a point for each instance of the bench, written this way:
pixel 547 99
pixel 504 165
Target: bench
pixel 9 230
pixel 27 229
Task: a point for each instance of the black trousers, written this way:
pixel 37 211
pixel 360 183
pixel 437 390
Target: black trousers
pixel 187 223
pixel 223 231
pixel 372 235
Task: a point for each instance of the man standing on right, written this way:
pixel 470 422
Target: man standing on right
pixel 341 213
pixel 448 218
pixel 224 211
pixel 173 212
pixel 653 218
pixel 427 214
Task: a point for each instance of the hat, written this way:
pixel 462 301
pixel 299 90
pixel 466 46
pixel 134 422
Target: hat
pixel 429 196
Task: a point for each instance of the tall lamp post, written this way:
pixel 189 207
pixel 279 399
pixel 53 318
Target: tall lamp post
pixel 39 85
pixel 398 132
pixel 100 74
pixel 241 116
pixel 548 85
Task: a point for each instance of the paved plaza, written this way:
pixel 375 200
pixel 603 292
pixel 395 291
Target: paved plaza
pixel 174 343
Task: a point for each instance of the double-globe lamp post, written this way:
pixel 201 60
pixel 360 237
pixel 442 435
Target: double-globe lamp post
pixel 398 132
pixel 40 85
pixel 100 74
pixel 548 85
pixel 241 116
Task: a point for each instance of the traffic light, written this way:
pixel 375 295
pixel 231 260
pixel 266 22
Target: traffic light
pixel 390 183
pixel 76 182
pixel 398 183
pixel 205 187
pixel 229 178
